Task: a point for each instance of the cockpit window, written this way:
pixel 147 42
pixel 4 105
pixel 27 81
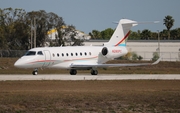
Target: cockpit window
pixel 30 53
pixel 40 53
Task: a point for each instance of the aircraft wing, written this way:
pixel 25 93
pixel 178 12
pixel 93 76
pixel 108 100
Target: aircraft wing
pixel 112 65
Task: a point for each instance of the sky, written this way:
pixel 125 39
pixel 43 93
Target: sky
pixel 88 15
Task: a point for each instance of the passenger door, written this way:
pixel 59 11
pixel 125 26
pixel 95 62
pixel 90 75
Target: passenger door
pixel 47 58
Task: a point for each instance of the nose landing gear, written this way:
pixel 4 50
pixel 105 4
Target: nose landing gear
pixel 35 72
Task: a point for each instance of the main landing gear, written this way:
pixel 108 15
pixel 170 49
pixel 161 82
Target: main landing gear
pixel 74 72
pixel 35 72
pixel 94 72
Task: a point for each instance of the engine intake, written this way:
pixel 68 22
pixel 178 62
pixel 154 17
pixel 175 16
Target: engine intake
pixel 104 51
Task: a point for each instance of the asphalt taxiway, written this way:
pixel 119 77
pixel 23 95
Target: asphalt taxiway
pixel 92 77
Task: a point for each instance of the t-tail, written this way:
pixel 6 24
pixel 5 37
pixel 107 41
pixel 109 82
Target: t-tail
pixel 121 33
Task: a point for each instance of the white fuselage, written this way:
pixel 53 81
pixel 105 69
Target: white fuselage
pixel 64 57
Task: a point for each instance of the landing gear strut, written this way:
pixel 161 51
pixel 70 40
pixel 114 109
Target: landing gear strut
pixel 73 72
pixel 94 72
pixel 35 72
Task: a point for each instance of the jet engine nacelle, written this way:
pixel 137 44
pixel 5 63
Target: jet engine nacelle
pixel 113 52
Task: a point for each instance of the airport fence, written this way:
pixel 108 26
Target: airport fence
pixel 165 56
pixel 12 53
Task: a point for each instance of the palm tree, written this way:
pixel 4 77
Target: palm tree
pixel 146 34
pixel 168 22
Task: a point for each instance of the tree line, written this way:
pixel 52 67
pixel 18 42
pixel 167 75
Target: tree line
pixel 16 26
pixel 166 34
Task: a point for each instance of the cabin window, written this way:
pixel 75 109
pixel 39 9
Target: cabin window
pixel 62 54
pixel 40 53
pixel 58 54
pixel 89 53
pixel 85 53
pixel 29 53
pixel 81 54
pixel 71 54
pixel 53 55
pixel 67 54
pixel 76 54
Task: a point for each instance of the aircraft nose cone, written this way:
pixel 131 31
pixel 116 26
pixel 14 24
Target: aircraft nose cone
pixel 24 63
pixel 17 64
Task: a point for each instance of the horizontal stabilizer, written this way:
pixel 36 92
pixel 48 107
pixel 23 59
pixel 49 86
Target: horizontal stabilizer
pixel 135 22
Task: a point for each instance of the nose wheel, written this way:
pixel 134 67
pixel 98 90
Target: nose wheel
pixel 35 72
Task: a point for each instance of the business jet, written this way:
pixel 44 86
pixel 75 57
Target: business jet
pixel 76 58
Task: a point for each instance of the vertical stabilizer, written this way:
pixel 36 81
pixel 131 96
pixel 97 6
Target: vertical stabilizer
pixel 121 33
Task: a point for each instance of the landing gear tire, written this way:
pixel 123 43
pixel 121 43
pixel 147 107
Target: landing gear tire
pixel 73 72
pixel 94 72
pixel 35 72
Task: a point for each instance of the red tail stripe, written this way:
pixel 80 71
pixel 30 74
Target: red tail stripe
pixel 123 38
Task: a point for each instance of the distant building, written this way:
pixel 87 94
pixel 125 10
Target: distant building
pixel 169 49
pixel 79 34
